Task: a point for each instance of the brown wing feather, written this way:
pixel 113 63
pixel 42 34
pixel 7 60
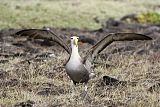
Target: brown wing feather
pixel 101 45
pixel 44 34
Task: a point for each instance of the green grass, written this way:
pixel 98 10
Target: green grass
pixel 67 13
pixel 150 17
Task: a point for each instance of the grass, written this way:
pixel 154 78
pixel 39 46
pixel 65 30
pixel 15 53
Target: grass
pixel 150 17
pixel 34 78
pixel 68 13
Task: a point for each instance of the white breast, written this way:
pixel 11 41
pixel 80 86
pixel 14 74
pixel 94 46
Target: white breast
pixel 73 63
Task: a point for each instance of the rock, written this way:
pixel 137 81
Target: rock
pixel 27 103
pixel 115 82
pixel 112 23
pixel 131 17
pixel 155 88
pixel 112 81
pixel 85 39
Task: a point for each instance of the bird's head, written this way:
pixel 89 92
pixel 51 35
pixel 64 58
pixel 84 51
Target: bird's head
pixel 74 41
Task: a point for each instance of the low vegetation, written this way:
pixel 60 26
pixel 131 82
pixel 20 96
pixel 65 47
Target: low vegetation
pixel 68 13
pixel 148 18
pixel 47 84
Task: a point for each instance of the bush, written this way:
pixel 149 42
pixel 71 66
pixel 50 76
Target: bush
pixel 149 17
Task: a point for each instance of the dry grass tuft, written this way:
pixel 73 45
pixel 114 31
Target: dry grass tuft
pixel 47 84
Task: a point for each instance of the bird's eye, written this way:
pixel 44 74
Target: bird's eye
pixel 71 37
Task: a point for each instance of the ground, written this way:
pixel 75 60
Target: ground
pixel 81 14
pixel 32 71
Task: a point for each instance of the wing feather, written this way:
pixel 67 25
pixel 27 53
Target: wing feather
pixel 44 34
pixel 101 45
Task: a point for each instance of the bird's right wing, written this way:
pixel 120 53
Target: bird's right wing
pixel 101 45
pixel 44 34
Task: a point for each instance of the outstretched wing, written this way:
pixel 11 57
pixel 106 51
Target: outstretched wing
pixel 97 48
pixel 44 34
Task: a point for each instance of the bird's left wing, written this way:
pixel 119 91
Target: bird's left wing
pixel 101 45
pixel 44 34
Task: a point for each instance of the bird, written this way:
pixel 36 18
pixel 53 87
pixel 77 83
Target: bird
pixel 79 68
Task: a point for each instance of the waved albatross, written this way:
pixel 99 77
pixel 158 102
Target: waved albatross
pixel 79 69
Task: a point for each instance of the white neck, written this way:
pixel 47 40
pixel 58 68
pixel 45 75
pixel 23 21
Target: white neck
pixel 75 59
pixel 75 53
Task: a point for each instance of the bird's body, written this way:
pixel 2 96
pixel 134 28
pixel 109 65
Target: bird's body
pixel 77 73
pixel 74 67
pixel 77 68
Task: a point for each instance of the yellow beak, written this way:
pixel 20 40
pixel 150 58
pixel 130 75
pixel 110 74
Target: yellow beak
pixel 75 42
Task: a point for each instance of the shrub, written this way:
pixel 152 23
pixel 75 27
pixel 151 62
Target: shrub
pixel 149 17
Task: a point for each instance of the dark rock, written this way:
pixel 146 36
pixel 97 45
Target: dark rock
pixel 113 23
pixel 115 82
pixel 155 88
pixel 28 103
pixel 100 30
pixel 116 25
pixel 85 39
pixel 112 81
pixel 131 17
pixel 18 44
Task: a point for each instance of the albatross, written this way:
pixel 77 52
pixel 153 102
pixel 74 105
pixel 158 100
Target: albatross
pixel 79 68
